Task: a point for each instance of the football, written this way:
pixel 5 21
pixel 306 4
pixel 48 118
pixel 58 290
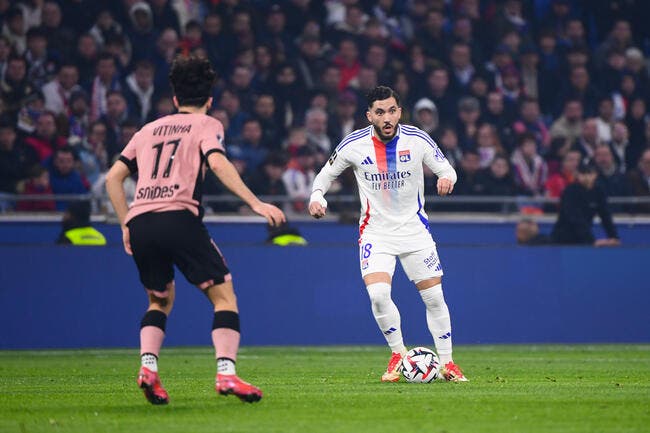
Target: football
pixel 420 365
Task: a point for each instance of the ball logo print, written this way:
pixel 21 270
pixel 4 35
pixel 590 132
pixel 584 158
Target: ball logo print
pixel 421 365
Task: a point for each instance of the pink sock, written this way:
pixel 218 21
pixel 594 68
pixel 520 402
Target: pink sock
pixel 151 339
pixel 226 342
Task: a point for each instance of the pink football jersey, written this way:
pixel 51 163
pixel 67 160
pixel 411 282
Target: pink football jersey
pixel 168 155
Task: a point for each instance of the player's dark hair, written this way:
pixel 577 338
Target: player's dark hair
pixel 380 93
pixel 192 79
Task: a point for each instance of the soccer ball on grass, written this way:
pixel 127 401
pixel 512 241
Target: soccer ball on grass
pixel 420 365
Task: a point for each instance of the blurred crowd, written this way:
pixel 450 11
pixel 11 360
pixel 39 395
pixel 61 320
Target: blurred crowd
pixel 516 93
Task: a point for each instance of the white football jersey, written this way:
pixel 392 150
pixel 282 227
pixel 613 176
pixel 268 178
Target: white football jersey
pixel 390 178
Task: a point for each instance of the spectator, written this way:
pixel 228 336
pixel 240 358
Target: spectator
pixel 498 180
pixel 162 56
pixel 501 116
pixel 469 179
pixel 530 121
pixel 64 177
pixel 344 120
pixel 469 113
pixel 251 146
pixel 639 180
pixel 106 80
pixel 139 90
pixel 530 169
pixel 61 39
pixel 15 30
pixel 265 112
pixel 310 61
pixel 46 138
pixel 609 178
pixel 439 92
pixel 85 59
pixel 580 88
pixel 448 141
pixel 41 64
pixel 462 69
pixel 37 184
pixel 58 91
pixel 92 154
pixel 164 15
pixel 588 140
pixel 488 144
pixel 579 203
pixel 15 158
pixel 141 30
pixel 569 125
pixel 268 180
pixel 5 51
pixel 605 119
pixel 347 61
pixel 299 177
pixel 76 228
pixel 527 233
pixel 114 118
pixel 15 86
pixel 619 146
pixel 425 115
pixel 79 118
pixel 316 128
pixel 557 182
pixel 105 28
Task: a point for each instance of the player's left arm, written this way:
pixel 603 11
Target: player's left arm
pixel 436 161
pixel 228 175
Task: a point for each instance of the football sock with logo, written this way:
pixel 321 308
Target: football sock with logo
pixel 387 315
pixel 225 337
pixel 150 361
pixel 226 366
pixel 152 334
pixel 438 321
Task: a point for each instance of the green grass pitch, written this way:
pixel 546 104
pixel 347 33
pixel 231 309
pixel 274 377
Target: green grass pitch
pixel 523 388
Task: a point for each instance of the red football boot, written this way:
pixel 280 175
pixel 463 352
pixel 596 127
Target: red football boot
pixel 227 384
pixel 153 389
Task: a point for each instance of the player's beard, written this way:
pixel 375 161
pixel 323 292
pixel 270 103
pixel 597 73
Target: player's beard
pixel 383 137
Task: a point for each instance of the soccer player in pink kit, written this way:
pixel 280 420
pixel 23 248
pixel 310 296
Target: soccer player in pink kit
pixel 387 161
pixel 163 226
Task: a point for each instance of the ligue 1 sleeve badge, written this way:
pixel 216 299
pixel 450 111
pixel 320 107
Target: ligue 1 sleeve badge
pixel 404 155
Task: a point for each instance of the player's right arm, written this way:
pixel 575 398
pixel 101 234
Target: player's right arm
pixel 115 189
pixel 228 175
pixel 322 182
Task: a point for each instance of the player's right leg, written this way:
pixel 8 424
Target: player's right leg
pixel 388 319
pixel 225 337
pixel 152 334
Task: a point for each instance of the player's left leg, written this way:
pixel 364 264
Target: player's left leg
pixel 423 267
pixel 226 337
pixel 439 323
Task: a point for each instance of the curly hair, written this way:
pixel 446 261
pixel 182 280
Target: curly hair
pixel 192 79
pixel 380 93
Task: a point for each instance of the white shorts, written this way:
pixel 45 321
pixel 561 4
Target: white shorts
pixel 418 256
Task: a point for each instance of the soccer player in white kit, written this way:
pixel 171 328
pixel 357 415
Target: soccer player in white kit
pixel 387 161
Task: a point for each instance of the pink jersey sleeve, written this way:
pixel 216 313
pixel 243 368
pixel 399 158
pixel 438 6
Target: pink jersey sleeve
pixel 128 155
pixel 211 136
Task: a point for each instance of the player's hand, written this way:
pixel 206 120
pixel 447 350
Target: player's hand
pixel 317 210
pixel 273 215
pixel 445 186
pixel 608 242
pixel 126 240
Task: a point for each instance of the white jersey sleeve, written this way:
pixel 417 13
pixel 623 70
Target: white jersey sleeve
pixel 436 161
pixel 330 171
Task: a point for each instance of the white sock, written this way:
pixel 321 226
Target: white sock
pixel 438 321
pixel 150 361
pixel 226 366
pixel 387 315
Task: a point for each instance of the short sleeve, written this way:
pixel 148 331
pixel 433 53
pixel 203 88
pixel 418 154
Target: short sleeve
pixel 211 137
pixel 128 155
